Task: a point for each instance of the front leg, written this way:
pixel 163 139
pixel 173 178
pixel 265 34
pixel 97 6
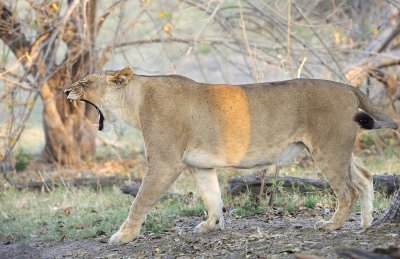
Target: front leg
pixel 207 182
pixel 159 177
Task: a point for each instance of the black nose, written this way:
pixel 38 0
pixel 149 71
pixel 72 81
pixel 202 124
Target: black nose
pixel 67 91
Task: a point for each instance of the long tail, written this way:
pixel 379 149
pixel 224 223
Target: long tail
pixel 373 117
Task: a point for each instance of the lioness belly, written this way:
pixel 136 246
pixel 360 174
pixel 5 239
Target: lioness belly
pixel 203 159
pixel 278 156
pixel 255 159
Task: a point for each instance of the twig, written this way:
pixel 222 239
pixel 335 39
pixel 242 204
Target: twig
pixel 297 39
pixel 221 20
pixel 272 196
pixel 104 16
pixel 395 4
pixel 327 49
pixel 288 38
pixel 210 18
pixel 43 181
pixel 301 67
pixel 262 192
pixel 246 42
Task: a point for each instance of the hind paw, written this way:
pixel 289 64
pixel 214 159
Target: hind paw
pixel 328 225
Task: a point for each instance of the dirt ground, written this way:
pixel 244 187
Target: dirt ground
pixel 255 237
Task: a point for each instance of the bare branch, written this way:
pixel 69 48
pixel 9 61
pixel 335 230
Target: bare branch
pixel 386 35
pixel 11 33
pixel 360 70
pixel 327 49
pixel 104 16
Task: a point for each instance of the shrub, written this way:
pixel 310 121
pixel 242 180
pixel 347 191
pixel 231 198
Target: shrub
pixel 22 160
pixel 310 201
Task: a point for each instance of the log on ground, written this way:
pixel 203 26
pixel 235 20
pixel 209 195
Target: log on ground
pixel 387 184
pixel 49 185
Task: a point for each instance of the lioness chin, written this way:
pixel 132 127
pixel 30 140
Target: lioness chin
pixel 204 126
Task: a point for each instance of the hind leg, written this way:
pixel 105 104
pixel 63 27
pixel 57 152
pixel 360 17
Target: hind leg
pixel 347 195
pixel 336 169
pixel 362 179
pixel 207 182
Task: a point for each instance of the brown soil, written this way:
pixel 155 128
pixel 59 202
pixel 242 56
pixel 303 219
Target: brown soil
pixel 255 237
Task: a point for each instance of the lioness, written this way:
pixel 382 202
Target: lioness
pixel 204 126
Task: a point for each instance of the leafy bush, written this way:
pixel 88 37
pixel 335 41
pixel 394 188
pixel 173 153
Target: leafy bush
pixel 22 160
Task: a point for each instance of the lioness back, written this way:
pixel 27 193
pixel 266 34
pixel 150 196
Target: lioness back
pixel 252 125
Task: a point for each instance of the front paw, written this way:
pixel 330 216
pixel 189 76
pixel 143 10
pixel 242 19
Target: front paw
pixel 209 225
pixel 122 237
pixel 202 227
pixel 328 225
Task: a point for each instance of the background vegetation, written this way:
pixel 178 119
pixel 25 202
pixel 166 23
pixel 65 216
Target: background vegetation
pixel 46 45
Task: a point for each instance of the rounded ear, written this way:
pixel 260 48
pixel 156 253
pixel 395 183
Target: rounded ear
pixel 122 77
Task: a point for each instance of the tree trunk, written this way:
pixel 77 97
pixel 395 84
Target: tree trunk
pixel 69 135
pixel 391 213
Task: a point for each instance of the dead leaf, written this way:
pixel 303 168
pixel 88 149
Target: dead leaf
pixel 67 211
pixel 79 226
pixel 168 28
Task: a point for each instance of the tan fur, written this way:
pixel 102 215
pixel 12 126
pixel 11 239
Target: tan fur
pixel 232 111
pixel 203 127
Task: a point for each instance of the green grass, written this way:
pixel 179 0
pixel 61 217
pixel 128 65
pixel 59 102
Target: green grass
pixel 74 214
pixel 291 207
pixel 245 206
pixel 157 222
pixel 193 211
pixel 310 201
pixel 61 214
pixel 381 202
pixel 80 213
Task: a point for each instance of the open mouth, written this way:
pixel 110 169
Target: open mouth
pixel 101 116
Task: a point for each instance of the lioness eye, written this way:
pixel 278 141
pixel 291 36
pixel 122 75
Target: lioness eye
pixel 86 83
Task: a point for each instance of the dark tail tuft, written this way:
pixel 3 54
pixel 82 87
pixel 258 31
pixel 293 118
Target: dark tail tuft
pixel 364 120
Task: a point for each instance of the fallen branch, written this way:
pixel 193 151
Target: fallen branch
pixel 377 253
pixel 92 182
pixel 133 190
pixel 392 212
pixel 387 184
